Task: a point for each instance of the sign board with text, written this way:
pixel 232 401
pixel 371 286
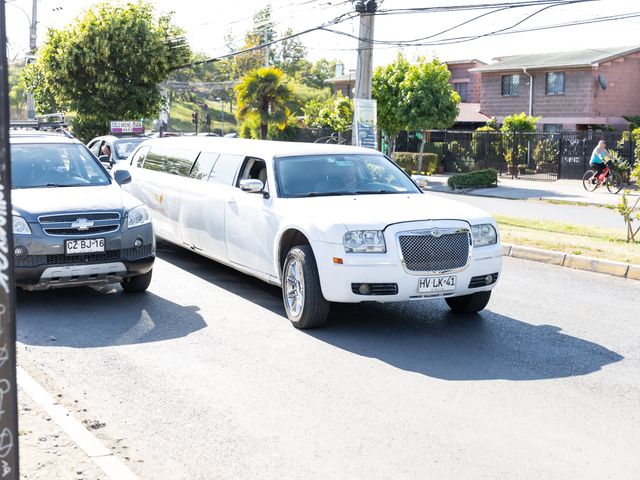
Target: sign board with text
pixel 365 132
pixel 120 127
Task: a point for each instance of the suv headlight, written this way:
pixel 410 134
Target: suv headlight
pixel 484 234
pixel 138 216
pixel 364 241
pixel 20 226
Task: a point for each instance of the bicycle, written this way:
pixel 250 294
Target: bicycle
pixel 608 177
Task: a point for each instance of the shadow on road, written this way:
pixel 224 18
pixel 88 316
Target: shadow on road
pixel 429 339
pixel 261 293
pixel 86 317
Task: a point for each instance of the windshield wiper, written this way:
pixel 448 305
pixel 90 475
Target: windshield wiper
pixel 328 194
pixel 374 192
pixel 58 185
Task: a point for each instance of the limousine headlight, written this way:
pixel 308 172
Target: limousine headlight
pixel 484 234
pixel 138 216
pixel 20 226
pixel 364 241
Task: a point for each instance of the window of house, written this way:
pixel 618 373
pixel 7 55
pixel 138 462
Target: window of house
pixel 461 88
pixel 510 85
pixel 552 127
pixel 555 83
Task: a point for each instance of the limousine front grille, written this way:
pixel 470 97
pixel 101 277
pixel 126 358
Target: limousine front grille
pixel 80 258
pixel 81 223
pixel 435 250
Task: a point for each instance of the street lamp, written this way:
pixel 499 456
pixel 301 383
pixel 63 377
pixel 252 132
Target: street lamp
pixel 222 106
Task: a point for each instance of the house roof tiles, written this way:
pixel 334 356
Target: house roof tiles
pixel 575 59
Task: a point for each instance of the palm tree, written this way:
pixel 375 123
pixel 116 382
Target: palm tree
pixel 263 93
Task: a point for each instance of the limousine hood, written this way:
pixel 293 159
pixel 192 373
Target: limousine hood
pixel 379 211
pixel 30 203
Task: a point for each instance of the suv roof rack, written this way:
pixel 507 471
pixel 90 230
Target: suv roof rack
pixel 52 122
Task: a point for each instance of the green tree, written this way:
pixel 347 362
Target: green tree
pixel 386 88
pixel 335 113
pixel 428 99
pixel 107 65
pixel 263 94
pixel 318 73
pixel 515 144
pixel 290 55
pixel 17 93
pixel 519 122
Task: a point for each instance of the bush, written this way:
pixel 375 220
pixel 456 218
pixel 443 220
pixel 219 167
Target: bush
pixel 408 161
pixel 478 179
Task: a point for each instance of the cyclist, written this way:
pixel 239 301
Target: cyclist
pixel 598 157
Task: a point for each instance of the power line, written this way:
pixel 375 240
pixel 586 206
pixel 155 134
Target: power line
pixel 339 19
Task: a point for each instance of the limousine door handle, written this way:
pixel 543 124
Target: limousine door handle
pixel 232 201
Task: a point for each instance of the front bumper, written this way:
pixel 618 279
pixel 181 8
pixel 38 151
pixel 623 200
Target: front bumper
pixel 47 265
pixel 390 280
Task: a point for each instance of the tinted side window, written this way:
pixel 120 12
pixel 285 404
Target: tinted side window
pixel 176 161
pixel 202 168
pixel 226 168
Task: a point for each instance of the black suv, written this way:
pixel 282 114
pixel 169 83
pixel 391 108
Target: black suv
pixel 72 223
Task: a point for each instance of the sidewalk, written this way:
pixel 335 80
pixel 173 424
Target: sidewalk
pixel 516 189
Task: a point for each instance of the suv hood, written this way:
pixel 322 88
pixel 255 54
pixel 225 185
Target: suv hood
pixel 30 203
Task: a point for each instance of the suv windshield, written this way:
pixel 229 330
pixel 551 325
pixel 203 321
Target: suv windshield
pixel 54 165
pixel 340 174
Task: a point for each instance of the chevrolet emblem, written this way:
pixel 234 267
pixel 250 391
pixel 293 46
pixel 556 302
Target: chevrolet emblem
pixel 82 224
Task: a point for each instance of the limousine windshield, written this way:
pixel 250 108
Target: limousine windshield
pixel 327 175
pixel 55 165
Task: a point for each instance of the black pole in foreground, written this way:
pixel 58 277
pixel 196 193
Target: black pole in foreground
pixel 8 385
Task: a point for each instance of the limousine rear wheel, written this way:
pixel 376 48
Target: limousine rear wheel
pixel 139 283
pixel 301 292
pixel 469 303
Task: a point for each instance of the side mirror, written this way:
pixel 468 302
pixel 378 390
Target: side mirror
pixel 251 185
pixel 122 177
pixel 104 160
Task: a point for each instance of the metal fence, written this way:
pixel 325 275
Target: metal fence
pixel 531 156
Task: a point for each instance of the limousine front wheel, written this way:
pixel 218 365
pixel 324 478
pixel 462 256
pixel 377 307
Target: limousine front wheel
pixel 139 283
pixel 301 292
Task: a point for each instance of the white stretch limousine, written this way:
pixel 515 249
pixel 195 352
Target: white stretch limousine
pixel 328 223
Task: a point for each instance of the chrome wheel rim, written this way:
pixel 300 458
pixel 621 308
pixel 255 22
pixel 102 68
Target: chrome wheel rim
pixel 294 288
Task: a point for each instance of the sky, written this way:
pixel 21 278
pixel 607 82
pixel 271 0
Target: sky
pixel 206 23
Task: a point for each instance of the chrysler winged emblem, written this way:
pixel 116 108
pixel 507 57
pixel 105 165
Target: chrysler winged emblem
pixel 82 224
pixel 436 232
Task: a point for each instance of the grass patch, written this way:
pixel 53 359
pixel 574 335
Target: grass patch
pixel 578 204
pixel 603 243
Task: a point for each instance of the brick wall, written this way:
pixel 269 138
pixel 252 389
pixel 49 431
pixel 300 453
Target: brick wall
pixel 583 100
pixel 461 73
pixel 622 95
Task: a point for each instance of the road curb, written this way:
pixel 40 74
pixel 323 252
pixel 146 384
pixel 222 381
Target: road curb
pixel 579 262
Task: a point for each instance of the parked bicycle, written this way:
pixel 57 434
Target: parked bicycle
pixel 612 180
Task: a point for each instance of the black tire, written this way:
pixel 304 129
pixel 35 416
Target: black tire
pixel 586 181
pixel 301 292
pixel 139 283
pixel 614 182
pixel 469 303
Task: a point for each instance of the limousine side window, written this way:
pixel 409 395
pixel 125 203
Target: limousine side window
pixel 203 166
pixel 225 169
pixel 138 157
pixel 176 161
pixel 254 168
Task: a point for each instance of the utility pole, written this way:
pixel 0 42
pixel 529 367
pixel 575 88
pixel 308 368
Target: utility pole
pixel 367 10
pixel 33 37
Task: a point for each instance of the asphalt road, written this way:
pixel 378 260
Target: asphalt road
pixel 591 216
pixel 203 377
